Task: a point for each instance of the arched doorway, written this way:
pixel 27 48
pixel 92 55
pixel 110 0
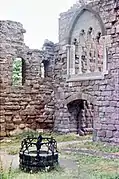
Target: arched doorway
pixel 81 110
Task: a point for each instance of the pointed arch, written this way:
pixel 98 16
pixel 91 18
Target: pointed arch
pixel 77 16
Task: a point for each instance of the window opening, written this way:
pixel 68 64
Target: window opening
pixel 18 72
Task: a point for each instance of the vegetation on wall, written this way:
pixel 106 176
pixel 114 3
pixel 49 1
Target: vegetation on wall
pixel 17 72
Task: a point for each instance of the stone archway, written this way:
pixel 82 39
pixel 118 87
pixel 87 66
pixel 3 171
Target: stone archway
pixel 77 15
pixel 81 110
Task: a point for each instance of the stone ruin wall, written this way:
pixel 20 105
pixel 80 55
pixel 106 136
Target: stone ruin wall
pixel 43 103
pixel 31 105
pixel 103 94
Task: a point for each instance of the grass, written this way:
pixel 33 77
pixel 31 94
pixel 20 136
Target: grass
pixel 12 144
pixel 4 174
pixel 57 136
pixel 58 173
pixel 88 167
pixel 97 146
pixel 13 151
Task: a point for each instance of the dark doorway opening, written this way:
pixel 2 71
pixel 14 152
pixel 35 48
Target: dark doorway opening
pixel 81 116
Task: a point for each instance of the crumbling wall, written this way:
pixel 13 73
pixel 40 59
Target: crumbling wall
pixel 30 105
pixel 42 103
pixel 104 92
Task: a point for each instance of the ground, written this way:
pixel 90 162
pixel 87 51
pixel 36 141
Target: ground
pixel 79 158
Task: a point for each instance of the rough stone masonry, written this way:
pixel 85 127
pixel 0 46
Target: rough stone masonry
pixel 30 105
pixel 78 92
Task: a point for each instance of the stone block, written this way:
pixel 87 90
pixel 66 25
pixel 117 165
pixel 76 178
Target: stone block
pixel 109 109
pixel 116 134
pixel 2 133
pixel 8 119
pixel 16 131
pixel 104 139
pixel 117 121
pixel 108 40
pixel 10 126
pixel 111 127
pixel 101 133
pixel 2 119
pixel 105 103
pixel 109 98
pixel 117 127
pixel 23 103
pixel 113 103
pixel 102 109
pixel 63 130
pixel 104 126
pixel 102 87
pixel 99 103
pixel 100 98
pixel 17 119
pixel 113 18
pixel 109 134
pixel 112 121
pixel 108 25
pixel 113 30
pixel 115 117
pixel 22 126
pixel 109 88
pixel 117 29
pixel 73 130
pixel 106 93
pixel 117 141
pixel 101 114
pixel 12 107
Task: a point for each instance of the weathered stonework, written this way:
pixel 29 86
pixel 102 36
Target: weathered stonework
pixel 104 92
pixel 53 102
pixel 30 105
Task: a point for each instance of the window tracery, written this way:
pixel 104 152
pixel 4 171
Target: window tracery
pixel 87 54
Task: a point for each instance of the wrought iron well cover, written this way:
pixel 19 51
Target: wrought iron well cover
pixel 38 153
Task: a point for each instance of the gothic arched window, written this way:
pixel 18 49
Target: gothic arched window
pixel 86 49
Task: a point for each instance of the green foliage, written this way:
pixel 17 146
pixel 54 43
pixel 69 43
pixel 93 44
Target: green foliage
pixel 6 174
pixel 97 146
pixel 88 167
pixel 17 72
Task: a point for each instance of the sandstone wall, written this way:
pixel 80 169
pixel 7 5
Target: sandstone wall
pixel 104 92
pixel 30 105
pixel 42 103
